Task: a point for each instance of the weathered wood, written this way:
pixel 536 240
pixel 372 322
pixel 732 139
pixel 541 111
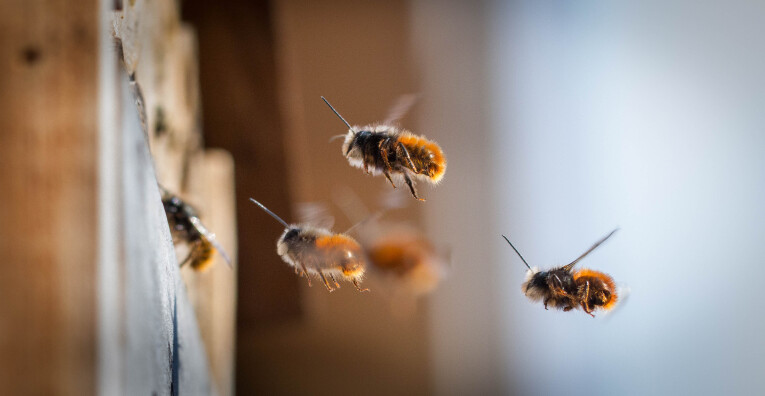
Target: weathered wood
pixel 159 349
pixel 161 53
pixel 213 292
pixel 48 174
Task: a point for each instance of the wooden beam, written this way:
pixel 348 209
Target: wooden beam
pixel 48 174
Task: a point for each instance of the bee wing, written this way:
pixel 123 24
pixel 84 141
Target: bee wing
pixel 394 199
pixel 400 108
pixel 210 238
pixel 349 203
pixel 315 214
pixel 570 265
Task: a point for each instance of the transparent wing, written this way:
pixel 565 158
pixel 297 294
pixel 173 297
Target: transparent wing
pixel 400 108
pixel 315 214
pixel 570 265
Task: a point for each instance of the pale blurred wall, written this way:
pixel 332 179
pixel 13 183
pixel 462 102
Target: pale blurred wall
pixel 357 55
pixel 450 42
pixel 648 116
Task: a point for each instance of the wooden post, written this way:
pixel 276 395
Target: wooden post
pixel 48 174
pixel 92 298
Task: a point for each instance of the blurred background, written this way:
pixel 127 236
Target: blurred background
pixel 560 121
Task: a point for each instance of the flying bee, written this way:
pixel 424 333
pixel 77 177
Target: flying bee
pixel 563 289
pixel 409 257
pixel 391 151
pixel 400 256
pixel 313 250
pixel 186 226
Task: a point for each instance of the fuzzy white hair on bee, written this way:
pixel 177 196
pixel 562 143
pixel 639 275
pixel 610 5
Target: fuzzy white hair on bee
pixel 317 251
pixel 525 285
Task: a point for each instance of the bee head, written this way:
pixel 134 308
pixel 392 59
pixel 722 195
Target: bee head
pixel 290 236
pixel 350 140
pixel 535 286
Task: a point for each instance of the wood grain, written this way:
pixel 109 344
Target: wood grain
pixel 48 174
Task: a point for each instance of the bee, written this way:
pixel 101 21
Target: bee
pixel 564 289
pixel 391 151
pixel 186 226
pixel 409 257
pixel 314 250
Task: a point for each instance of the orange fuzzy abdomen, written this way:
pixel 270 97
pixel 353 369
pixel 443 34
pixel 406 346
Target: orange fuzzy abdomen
pixel 599 280
pixel 426 155
pixel 343 252
pixel 202 255
pixel 392 257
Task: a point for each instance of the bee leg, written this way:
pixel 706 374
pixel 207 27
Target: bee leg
pixel 334 280
pixel 546 300
pixel 358 286
pixel 384 154
pixel 411 187
pixel 557 286
pixel 586 299
pixel 387 175
pixel 305 272
pixel 403 149
pixel 326 282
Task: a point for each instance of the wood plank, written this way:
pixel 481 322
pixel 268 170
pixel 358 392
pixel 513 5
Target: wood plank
pixel 48 170
pixel 213 292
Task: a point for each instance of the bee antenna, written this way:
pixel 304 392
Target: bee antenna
pixel 336 113
pixel 568 267
pixel 279 219
pixel 516 251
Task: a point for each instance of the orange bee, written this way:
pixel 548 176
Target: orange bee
pixel 409 257
pixel 400 256
pixel 314 250
pixel 186 226
pixel 563 289
pixel 388 150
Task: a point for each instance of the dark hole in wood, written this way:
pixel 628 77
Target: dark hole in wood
pixel 160 126
pixel 31 54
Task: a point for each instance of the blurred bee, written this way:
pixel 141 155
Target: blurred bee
pixel 563 289
pixel 186 226
pixel 314 250
pixel 388 150
pixel 407 259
